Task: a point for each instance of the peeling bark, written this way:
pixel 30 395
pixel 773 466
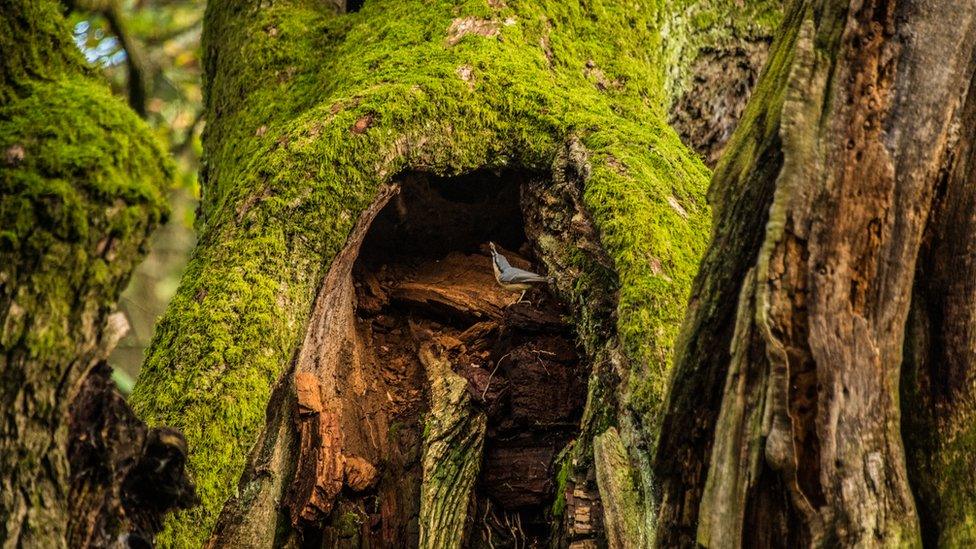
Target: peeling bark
pixel 499 383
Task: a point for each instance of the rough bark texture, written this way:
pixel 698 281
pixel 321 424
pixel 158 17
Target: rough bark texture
pixel 452 454
pixel 311 111
pixel 81 179
pixel 716 68
pixel 443 347
pixel 621 502
pixel 124 476
pixel 938 376
pixel 797 439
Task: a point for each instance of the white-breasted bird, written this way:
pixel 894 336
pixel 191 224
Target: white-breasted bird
pixel 511 278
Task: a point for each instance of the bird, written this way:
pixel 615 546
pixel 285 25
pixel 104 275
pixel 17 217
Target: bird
pixel 511 278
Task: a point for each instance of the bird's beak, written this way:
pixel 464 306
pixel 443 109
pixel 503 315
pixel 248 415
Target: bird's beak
pixel 492 246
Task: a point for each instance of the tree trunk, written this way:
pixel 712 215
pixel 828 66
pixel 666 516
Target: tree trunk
pixel 82 183
pixel 356 165
pixel 793 436
pixel 937 379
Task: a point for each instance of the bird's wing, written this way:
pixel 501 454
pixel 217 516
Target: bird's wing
pixel 502 263
pixel 514 275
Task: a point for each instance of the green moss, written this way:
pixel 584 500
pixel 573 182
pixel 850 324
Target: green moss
pixel 951 474
pixel 82 184
pixel 347 525
pixel 622 506
pixel 693 27
pixel 565 469
pixel 37 47
pixel 287 176
pixel 79 168
pixel 663 319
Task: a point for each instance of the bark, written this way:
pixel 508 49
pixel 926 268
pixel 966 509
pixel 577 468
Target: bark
pixel 621 513
pixel 499 122
pixel 124 477
pixel 937 382
pixel 363 471
pixel 716 68
pixel 452 455
pixel 82 183
pixel 793 436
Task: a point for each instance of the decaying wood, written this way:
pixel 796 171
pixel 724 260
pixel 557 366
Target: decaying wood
pixel 36 395
pixel 621 502
pixel 124 476
pixel 421 391
pixel 561 228
pixel 807 444
pixel 319 476
pixel 269 482
pixel 584 516
pixel 453 440
pixel 452 286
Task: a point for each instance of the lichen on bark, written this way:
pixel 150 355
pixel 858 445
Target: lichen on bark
pixel 453 437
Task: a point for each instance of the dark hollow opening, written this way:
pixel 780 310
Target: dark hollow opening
pixel 353 6
pixel 434 216
pixel 424 268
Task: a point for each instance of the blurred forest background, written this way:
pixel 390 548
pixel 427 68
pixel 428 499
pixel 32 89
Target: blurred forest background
pixel 149 51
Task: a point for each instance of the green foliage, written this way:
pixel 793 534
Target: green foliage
pixel 310 112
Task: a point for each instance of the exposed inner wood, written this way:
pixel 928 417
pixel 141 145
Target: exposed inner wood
pixel 423 395
pixel 806 449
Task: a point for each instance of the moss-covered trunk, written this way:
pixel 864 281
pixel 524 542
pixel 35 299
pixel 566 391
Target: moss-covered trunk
pixel 785 401
pixel 81 180
pixel 541 125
